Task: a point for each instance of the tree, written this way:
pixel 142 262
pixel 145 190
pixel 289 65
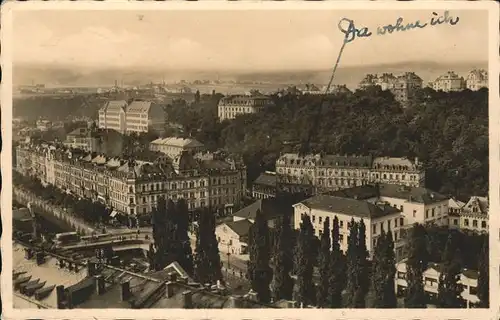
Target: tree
pixel 449 289
pixel 416 264
pixel 207 264
pixel 483 282
pixel 324 265
pixel 282 285
pixel 197 96
pixel 337 274
pixel 383 271
pixel 181 235
pixel 304 261
pixel 352 265
pixel 259 258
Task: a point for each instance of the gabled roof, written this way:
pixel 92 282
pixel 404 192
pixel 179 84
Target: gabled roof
pixel 270 207
pixel 240 227
pixel 481 203
pixel 411 194
pixel 347 206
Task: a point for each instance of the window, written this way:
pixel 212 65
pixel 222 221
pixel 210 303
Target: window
pixel 414 213
pixel 466 222
pixel 474 223
pixel 427 214
pixel 455 222
pixel 320 219
pixel 401 222
pixel 374 243
pixel 395 222
pixel 131 211
pixel 433 212
pixel 483 224
pixel 341 238
pixel 143 199
pixel 388 225
pixel 131 200
pixel 341 224
pixel 374 229
pixel 401 207
pixel 314 218
pixel 401 275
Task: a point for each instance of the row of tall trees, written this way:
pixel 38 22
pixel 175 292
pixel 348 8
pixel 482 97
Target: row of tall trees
pixel 172 242
pixel 450 268
pixel 352 280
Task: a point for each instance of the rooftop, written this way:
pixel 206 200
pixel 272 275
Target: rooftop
pixel 240 227
pixel 266 179
pixel 411 194
pixel 347 206
pixel 178 142
pixel 271 207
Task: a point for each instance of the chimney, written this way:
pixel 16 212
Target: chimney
pixel 125 290
pixel 91 269
pixel 172 276
pixel 100 285
pixel 60 297
pixel 40 258
pixel 187 298
pixel 169 289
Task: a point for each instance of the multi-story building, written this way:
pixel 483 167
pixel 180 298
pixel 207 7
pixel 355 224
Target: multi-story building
pixel 474 215
pixel 173 146
pixel 374 215
pixel 430 279
pixel 381 206
pixel 403 86
pixel 264 186
pixel 454 210
pixel 448 82
pixel 232 106
pixel 332 172
pixel 133 187
pixel 477 79
pixel 137 116
pixel 82 138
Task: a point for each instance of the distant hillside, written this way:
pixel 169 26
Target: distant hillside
pixel 345 75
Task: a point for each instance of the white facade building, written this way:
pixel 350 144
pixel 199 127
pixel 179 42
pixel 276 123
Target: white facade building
pixel 173 146
pixel 231 106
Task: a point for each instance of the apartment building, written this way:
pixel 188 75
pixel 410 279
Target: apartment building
pixel 448 82
pixel 376 216
pixel 430 278
pixel 132 186
pixel 381 206
pixel 232 106
pixel 174 146
pixel 477 79
pixel 82 138
pixel 137 116
pixel 402 86
pixel 333 172
pixel 474 215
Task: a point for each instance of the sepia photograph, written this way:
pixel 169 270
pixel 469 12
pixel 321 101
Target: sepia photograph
pixel 270 157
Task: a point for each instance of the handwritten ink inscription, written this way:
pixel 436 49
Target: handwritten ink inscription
pixel 351 32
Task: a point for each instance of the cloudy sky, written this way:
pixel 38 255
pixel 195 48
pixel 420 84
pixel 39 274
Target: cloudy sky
pixel 238 40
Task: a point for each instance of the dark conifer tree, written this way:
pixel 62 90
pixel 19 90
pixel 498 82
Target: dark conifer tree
pixel 378 272
pixel 324 261
pixel 362 260
pixel 207 263
pixel 390 300
pixel 337 271
pixel 416 264
pixel 181 230
pixel 449 289
pixel 259 258
pixel 282 285
pixel 353 270
pixel 304 261
pixel 483 282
